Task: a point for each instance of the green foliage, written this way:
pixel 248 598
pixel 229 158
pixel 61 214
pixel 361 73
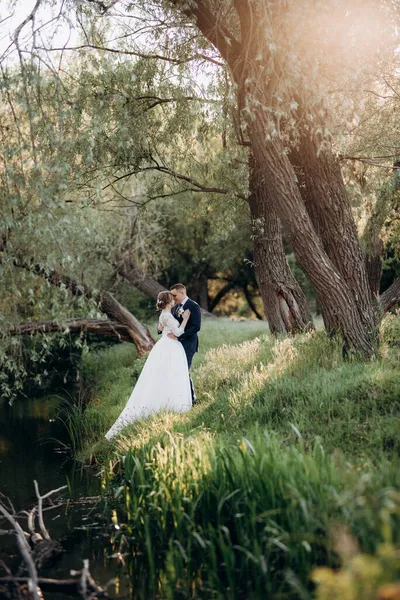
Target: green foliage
pixel 390 329
pixel 229 518
pixel 35 365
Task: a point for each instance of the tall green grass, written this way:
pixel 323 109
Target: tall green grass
pixel 245 519
pixel 243 496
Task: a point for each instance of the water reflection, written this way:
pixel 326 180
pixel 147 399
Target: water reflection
pixel 28 451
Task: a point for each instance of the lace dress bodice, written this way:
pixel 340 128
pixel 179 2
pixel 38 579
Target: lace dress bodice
pixel 170 324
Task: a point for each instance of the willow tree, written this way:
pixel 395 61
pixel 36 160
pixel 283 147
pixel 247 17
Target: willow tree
pixel 47 231
pixel 284 301
pixel 283 57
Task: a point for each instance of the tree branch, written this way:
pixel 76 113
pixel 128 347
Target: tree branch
pixel 391 297
pixel 106 302
pixel 25 553
pixel 214 31
pixel 175 61
pixel 222 292
pixel 102 6
pixel 251 303
pixel 197 186
pixel 106 328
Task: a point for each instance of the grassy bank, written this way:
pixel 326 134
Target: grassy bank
pixel 290 461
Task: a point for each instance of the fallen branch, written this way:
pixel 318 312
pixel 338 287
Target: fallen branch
pixel 106 302
pixel 40 498
pixel 25 551
pixel 44 547
pixel 54 585
pixel 102 327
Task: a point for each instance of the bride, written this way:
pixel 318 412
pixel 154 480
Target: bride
pixel 164 381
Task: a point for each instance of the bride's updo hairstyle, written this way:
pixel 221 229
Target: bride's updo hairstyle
pixel 163 299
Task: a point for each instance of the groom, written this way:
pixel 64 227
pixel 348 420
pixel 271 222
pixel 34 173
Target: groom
pixel 189 339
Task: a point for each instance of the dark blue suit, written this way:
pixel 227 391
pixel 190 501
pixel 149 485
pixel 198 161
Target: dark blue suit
pixel 189 339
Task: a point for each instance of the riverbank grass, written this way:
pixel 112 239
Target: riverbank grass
pixel 289 461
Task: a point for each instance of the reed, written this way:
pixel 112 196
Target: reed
pixel 245 519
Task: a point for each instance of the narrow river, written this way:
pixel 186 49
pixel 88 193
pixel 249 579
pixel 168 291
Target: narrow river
pixel 31 447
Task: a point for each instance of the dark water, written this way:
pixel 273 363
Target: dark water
pixel 29 450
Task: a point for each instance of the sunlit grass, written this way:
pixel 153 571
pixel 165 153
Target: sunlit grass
pixel 239 497
pixel 110 375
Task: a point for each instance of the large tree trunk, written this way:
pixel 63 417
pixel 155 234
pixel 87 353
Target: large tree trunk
pixel 256 72
pixel 107 304
pixel 248 61
pixel 199 290
pixel 328 205
pixel 285 305
pixel 333 292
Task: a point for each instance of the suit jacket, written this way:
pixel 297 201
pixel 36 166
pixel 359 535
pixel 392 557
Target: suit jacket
pixel 189 339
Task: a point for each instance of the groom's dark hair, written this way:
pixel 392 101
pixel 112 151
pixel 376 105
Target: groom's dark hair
pixel 178 286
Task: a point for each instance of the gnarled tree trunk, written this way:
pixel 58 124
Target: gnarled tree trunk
pixel 285 305
pixel 327 203
pixel 332 290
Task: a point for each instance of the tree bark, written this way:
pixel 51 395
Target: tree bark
pixel 285 305
pixel 143 282
pixel 391 297
pixel 199 290
pixel 327 203
pixel 138 278
pixel 332 290
pixel 97 326
pixel 139 334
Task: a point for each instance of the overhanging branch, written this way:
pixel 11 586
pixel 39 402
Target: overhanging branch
pixel 196 186
pixel 170 59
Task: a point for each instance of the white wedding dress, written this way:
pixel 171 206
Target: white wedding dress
pixel 164 381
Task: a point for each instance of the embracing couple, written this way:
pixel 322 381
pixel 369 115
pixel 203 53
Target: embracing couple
pixel 164 382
